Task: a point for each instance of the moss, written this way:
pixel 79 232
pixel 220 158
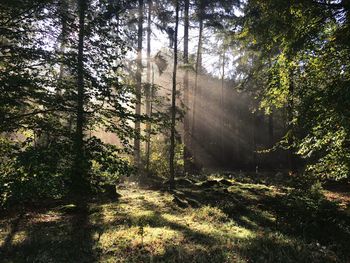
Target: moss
pixel 147 226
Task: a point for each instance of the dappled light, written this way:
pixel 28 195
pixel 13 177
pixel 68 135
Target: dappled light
pixel 175 131
pixel 148 225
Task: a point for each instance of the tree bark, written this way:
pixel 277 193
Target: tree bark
pixel 254 146
pixel 271 128
pixel 137 156
pixel 173 106
pixel 78 178
pixel 290 126
pixel 63 37
pixel 222 145
pixel 148 89
pixel 187 137
pixel 196 92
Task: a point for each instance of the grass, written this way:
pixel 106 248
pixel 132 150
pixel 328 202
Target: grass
pixel 231 221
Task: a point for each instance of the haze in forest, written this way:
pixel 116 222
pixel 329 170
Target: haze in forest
pixel 174 131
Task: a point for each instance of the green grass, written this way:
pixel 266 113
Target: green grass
pixel 225 223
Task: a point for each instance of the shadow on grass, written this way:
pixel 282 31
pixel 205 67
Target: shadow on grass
pixel 239 207
pixel 149 226
pixel 168 237
pixel 13 230
pixel 297 236
pixel 54 234
pixel 275 247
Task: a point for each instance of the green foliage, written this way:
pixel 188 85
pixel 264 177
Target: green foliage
pixel 30 172
pixel 106 163
pixel 279 248
pixel 310 214
pixel 296 60
pixel 147 225
pixel 210 214
pixel 159 160
pixel 38 97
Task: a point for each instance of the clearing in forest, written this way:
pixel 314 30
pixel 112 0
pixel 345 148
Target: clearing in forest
pixel 214 220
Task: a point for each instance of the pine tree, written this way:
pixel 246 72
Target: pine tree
pixel 149 85
pixel 79 166
pixel 173 104
pixel 187 137
pixel 137 157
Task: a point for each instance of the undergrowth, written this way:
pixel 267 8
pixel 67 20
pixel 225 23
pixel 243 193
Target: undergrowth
pixel 233 221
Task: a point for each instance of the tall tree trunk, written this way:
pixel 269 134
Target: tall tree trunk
pixel 173 106
pixel 254 146
pixel 238 134
pixel 271 128
pixel 222 118
pixel 78 179
pixel 137 156
pixel 148 89
pixel 290 106
pixel 187 137
pixel 196 92
pixel 63 9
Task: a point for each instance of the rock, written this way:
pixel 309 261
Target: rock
pixel 225 182
pixel 193 203
pixel 179 202
pixel 184 182
pixel 210 183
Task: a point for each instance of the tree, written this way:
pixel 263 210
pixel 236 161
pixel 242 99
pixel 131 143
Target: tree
pixel 45 114
pixel 300 46
pixel 196 91
pixel 212 15
pixel 173 103
pixel 137 159
pixel 222 121
pixel 187 137
pixel 79 169
pixel 149 85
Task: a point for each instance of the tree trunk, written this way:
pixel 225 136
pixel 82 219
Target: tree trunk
pixel 78 177
pixel 187 137
pixel 137 157
pixel 63 37
pixel 271 133
pixel 254 146
pixel 148 89
pixel 196 92
pixel 290 106
pixel 173 106
pixel 222 118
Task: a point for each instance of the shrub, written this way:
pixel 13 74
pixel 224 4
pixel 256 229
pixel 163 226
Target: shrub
pixel 31 172
pixel 159 159
pixel 310 214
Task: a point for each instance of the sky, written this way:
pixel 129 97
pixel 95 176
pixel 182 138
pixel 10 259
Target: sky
pixel 212 61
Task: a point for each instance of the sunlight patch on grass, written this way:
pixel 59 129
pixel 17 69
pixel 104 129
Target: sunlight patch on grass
pixel 209 214
pixel 146 225
pixel 216 177
pixel 152 240
pixel 243 192
pixel 4 231
pixel 19 237
pixel 114 238
pixel 145 217
pixel 156 239
pixel 231 231
pixel 149 226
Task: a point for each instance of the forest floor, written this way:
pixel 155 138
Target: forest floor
pixel 220 219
